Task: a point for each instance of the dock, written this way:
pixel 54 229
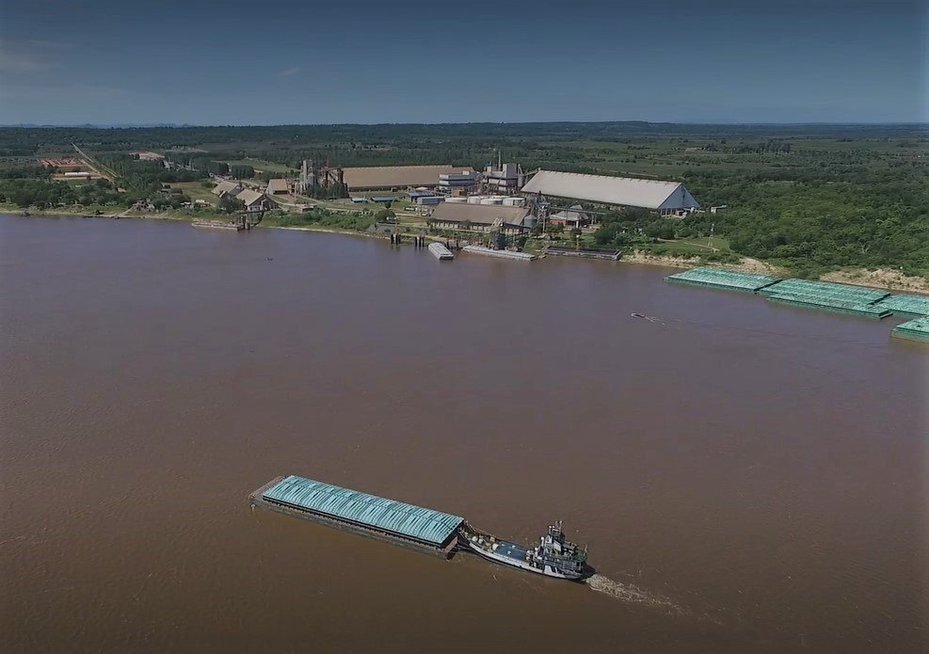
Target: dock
pixel 501 254
pixel 441 252
pixel 583 253
pixel 407 525
pixel 210 224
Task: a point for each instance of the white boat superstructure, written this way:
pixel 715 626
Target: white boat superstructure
pixel 553 556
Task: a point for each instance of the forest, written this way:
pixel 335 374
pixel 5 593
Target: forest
pixel 812 198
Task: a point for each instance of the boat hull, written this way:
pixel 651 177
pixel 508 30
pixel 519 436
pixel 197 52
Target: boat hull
pixel 547 571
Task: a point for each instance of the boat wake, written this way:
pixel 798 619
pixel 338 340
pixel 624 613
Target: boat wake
pixel 633 594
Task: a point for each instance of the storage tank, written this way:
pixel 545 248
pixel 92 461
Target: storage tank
pixel 495 201
pixel 474 199
pixel 456 199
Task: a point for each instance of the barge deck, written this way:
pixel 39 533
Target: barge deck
pixel 407 525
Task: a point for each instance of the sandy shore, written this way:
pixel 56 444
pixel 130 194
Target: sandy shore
pixel 892 280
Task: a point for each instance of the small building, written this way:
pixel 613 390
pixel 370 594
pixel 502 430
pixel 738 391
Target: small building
pixel 663 197
pixel 573 218
pixel 483 217
pixel 254 200
pixel 425 198
pixel 278 187
pixel 225 188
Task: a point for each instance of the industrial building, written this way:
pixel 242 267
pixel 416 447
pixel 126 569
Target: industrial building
pixel 225 188
pixel 278 187
pixel 374 178
pixel 483 217
pixel 66 165
pixel 462 180
pixel 504 178
pixel 572 218
pixel 663 197
pixel 253 200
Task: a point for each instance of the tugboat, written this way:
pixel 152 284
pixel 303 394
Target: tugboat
pixel 554 556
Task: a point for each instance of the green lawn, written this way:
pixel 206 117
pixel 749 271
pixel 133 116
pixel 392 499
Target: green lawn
pixel 261 165
pixel 196 191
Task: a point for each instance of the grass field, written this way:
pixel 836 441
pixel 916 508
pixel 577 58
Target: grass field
pixel 261 165
pixel 196 191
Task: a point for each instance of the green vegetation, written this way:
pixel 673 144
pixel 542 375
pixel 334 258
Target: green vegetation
pixel 809 198
pixel 320 218
pixel 47 194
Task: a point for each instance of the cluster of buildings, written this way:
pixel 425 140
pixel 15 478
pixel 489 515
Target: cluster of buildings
pixel 251 199
pixel 69 169
pixel 501 198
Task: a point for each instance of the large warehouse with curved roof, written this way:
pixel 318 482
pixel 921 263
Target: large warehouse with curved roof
pixel 664 197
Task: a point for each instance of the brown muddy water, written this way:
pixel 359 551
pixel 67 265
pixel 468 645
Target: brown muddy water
pixel 749 477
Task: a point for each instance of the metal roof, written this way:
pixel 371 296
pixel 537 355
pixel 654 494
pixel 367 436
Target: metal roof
pixel 375 177
pixel 275 185
pixel 249 197
pixel 381 513
pixel 226 187
pixel 480 214
pixel 573 213
pixel 627 191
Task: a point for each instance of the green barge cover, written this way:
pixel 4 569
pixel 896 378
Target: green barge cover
pixel 914 330
pixel 840 298
pixel 378 513
pixel 914 306
pixel 722 279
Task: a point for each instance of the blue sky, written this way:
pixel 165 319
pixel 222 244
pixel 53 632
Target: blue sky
pixel 234 62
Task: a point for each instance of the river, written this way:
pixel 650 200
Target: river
pixel 748 477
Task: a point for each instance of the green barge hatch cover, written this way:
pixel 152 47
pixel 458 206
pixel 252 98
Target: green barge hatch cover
pixel 408 520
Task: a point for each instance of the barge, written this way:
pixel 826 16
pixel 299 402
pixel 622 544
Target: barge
pixel 212 224
pixel 415 527
pixel 408 525
pixel 500 254
pixel 441 252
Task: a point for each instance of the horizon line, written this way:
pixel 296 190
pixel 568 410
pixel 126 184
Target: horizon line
pixel 459 123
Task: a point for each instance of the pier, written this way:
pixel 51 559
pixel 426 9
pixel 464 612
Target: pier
pixel 501 254
pixel 583 253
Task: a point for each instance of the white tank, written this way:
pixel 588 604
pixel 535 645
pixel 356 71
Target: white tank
pixel 492 201
pixel 474 199
pixel 456 199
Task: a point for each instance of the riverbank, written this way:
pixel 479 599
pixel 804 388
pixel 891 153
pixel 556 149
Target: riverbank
pixel 882 278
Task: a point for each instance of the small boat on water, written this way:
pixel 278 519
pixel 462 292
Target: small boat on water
pixel 554 556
